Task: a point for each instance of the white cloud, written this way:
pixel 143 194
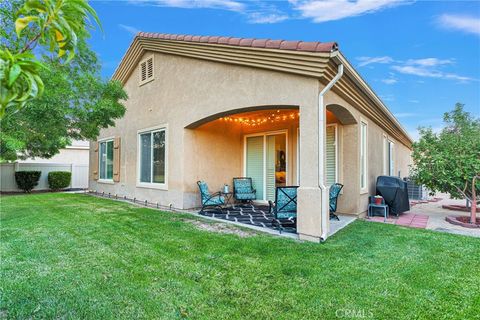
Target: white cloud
pixel 365 61
pixel 330 10
pixel 418 71
pixel 460 22
pixel 129 29
pixel 430 62
pixel 431 73
pixel 430 68
pixel 255 12
pixel 414 101
pixel 389 81
pixel 269 12
pixel 261 17
pixel 230 5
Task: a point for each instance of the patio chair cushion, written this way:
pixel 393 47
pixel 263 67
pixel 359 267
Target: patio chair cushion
pixel 217 200
pixel 204 191
pixel 286 200
pixel 286 214
pixel 243 189
pixel 207 198
pixel 245 196
pixel 286 203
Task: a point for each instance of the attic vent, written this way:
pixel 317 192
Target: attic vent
pixel 146 70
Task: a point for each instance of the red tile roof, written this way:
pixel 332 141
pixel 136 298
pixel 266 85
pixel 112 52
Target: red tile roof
pixel 314 46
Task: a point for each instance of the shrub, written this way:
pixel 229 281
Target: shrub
pixel 27 180
pixel 59 179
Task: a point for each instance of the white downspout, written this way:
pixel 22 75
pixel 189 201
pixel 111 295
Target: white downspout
pixel 321 156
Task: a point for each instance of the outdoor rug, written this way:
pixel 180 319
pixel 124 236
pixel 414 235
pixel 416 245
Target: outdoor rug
pixel 254 215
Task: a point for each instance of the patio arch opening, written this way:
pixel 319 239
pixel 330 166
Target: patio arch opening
pixel 343 115
pixel 260 142
pixel 237 111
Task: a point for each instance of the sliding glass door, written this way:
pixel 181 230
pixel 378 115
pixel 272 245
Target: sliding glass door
pixel 255 165
pixel 331 154
pixel 266 162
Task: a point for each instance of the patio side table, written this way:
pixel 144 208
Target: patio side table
pixel 228 198
pixel 373 206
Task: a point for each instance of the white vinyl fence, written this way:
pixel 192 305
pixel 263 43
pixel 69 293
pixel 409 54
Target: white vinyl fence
pixel 7 174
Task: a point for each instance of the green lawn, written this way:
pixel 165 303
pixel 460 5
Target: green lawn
pixel 76 256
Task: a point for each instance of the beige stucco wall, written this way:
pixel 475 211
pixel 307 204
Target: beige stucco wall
pixel 186 90
pixel 183 92
pixel 353 200
pixel 221 146
pixel 215 152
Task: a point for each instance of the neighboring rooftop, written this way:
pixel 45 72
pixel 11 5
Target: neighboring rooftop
pixel 313 46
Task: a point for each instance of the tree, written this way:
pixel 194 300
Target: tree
pixel 54 24
pixel 449 161
pixel 76 103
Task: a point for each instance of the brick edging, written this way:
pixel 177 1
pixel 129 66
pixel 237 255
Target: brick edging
pixel 453 220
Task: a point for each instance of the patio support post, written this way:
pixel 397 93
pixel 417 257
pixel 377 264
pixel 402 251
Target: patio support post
pixel 309 195
pixel 313 200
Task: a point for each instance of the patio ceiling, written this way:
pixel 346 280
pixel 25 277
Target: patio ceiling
pixel 258 118
pixel 250 113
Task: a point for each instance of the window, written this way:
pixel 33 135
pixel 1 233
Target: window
pixel 363 155
pixel 390 158
pixel 152 157
pixel 331 154
pixel 146 70
pixel 106 160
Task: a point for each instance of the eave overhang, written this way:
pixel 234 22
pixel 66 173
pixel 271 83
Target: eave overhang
pixel 311 64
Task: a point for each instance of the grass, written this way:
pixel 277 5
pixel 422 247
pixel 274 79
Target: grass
pixel 76 256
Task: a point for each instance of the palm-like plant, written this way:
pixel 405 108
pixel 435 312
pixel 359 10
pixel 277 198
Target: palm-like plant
pixel 57 23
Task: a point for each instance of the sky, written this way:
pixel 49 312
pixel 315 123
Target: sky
pixel 420 57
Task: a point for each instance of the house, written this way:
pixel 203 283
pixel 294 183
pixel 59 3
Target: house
pixel 282 112
pixel 73 158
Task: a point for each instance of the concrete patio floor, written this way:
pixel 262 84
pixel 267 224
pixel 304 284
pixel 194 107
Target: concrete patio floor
pixel 431 215
pixel 337 225
pixel 437 216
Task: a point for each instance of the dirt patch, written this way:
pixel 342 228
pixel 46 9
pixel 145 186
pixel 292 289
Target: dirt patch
pixel 220 228
pixel 463 221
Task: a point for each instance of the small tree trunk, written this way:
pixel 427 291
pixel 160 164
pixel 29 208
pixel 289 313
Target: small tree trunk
pixel 473 207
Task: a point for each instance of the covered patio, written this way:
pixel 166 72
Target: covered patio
pixel 263 143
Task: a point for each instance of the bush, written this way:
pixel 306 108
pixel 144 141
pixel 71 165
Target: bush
pixel 27 180
pixel 59 179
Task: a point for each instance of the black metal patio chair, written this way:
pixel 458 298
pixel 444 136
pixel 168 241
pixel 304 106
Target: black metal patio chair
pixel 284 209
pixel 334 193
pixel 243 190
pixel 210 200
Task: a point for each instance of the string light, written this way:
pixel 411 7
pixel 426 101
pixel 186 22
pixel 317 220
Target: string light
pixel 257 121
